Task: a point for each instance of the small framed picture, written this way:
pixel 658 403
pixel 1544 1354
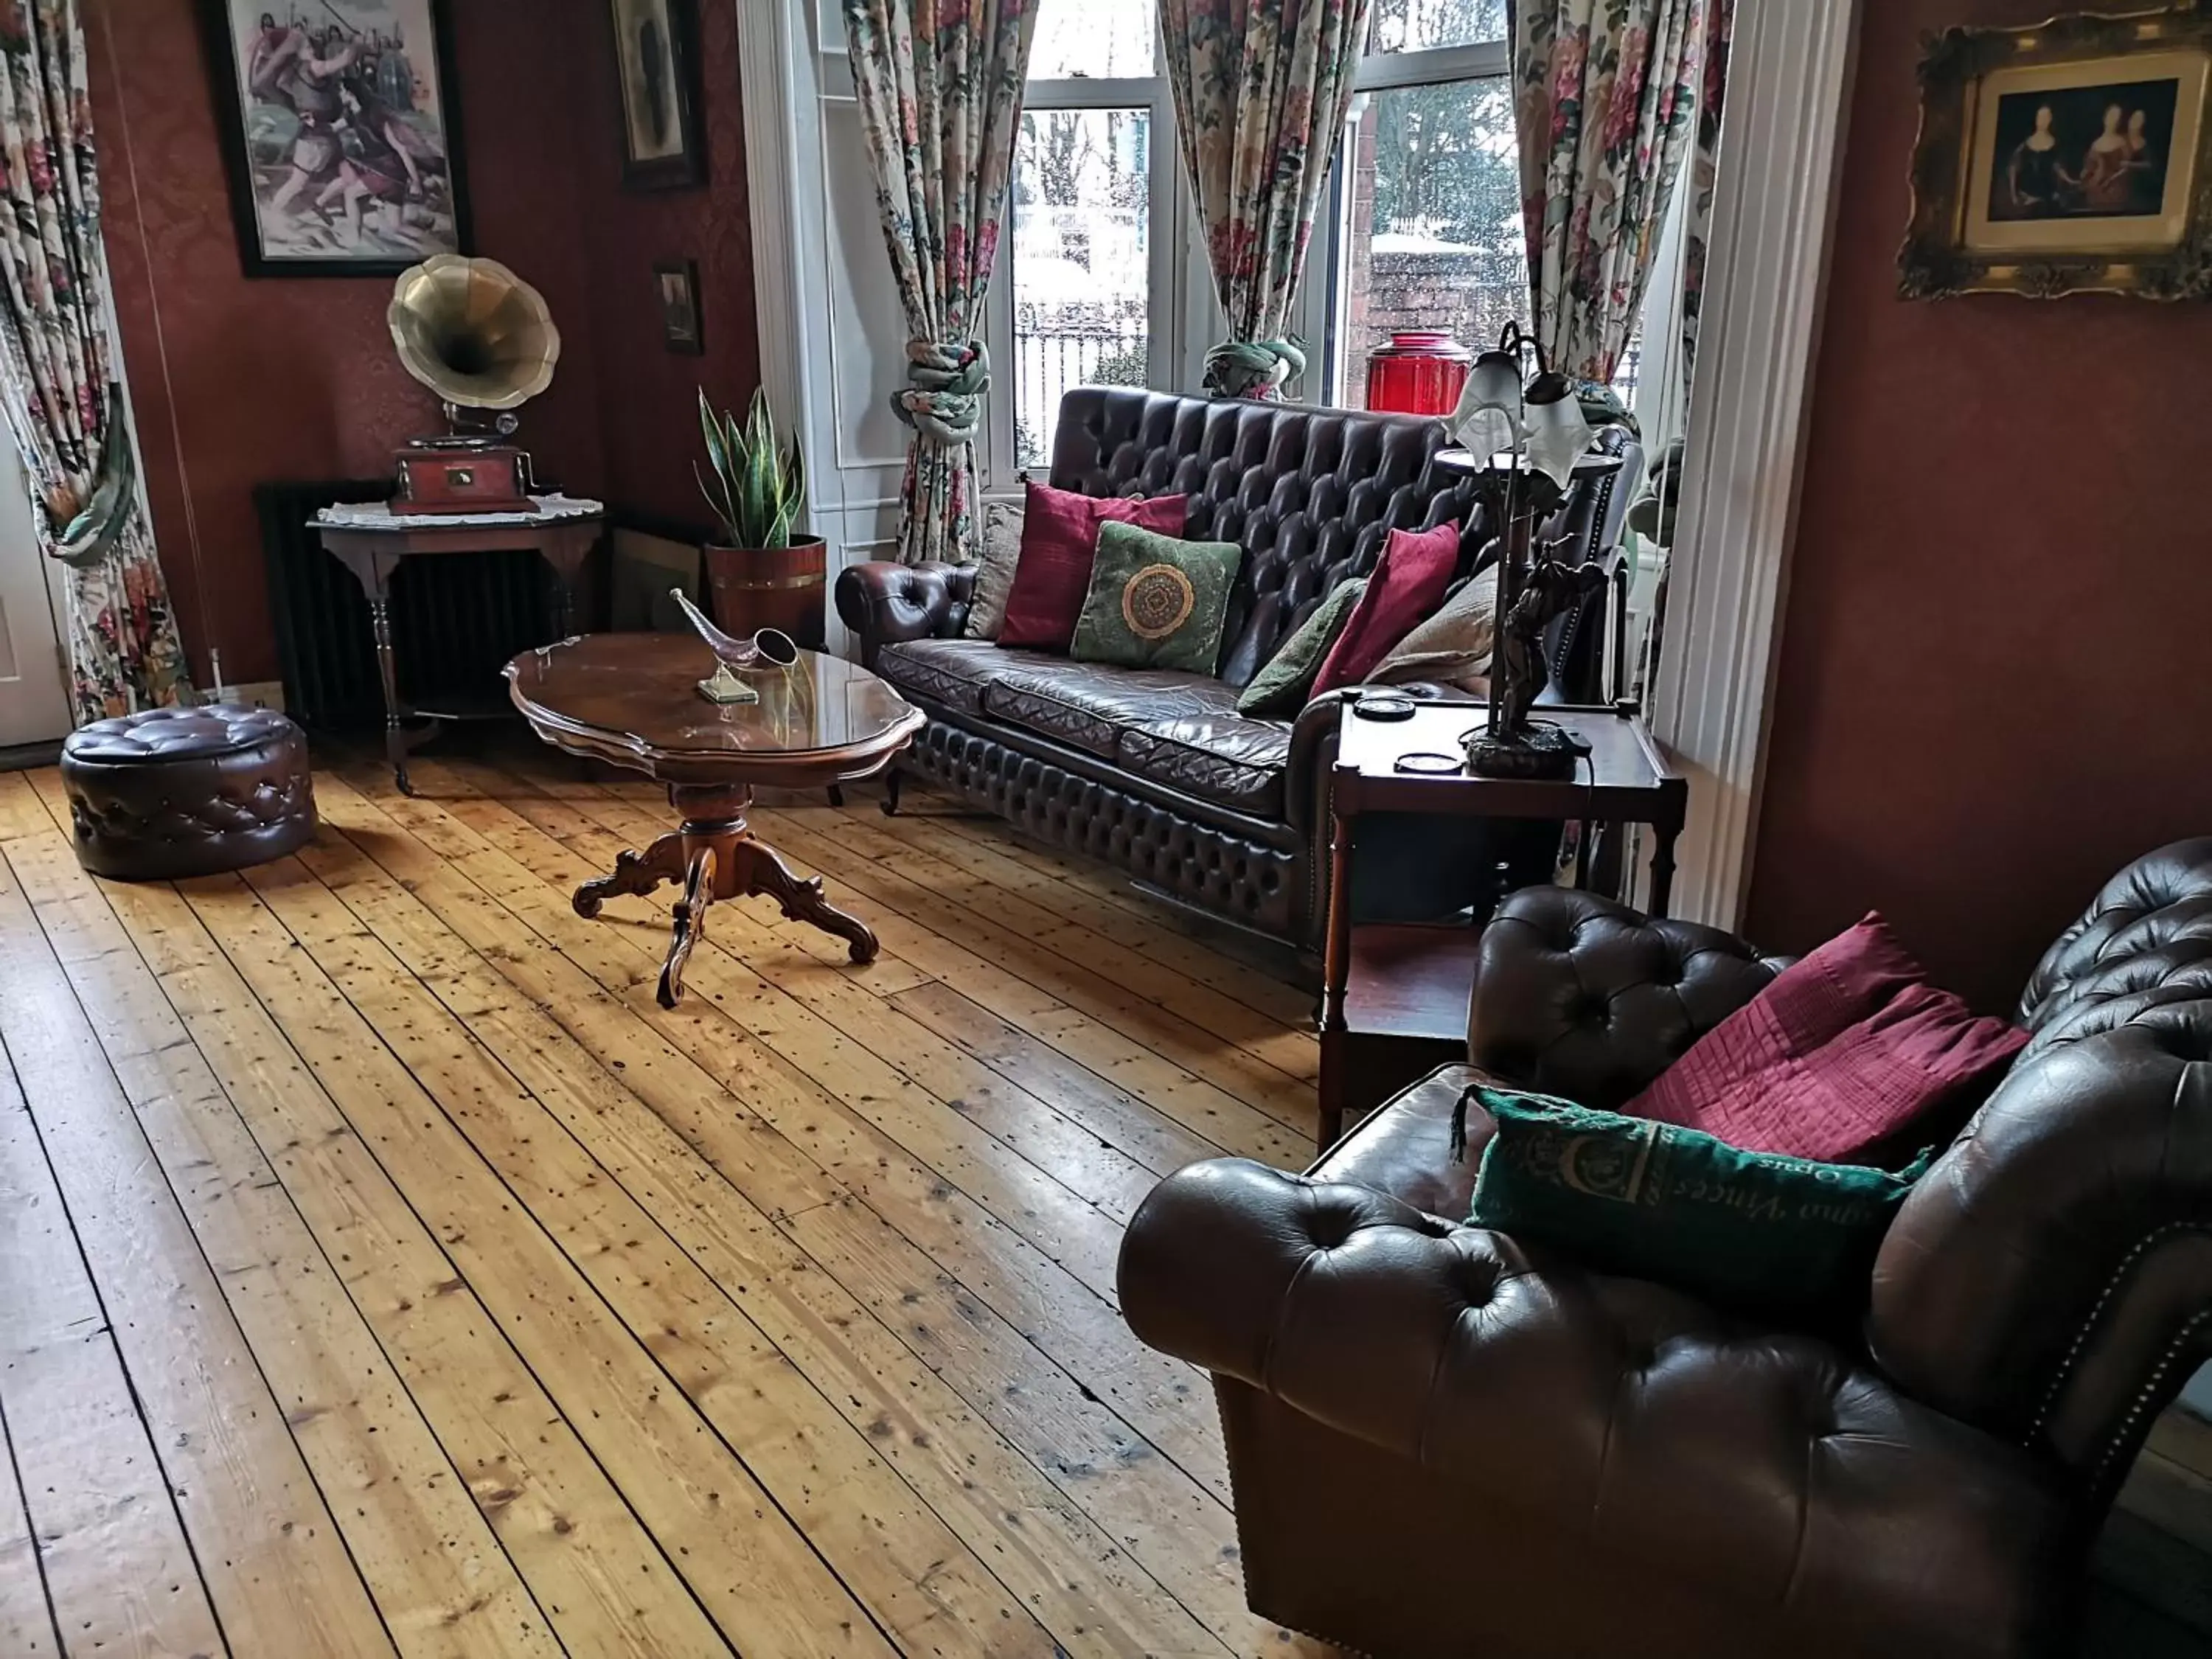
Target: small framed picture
pixel 340 134
pixel 676 282
pixel 657 64
pixel 2073 156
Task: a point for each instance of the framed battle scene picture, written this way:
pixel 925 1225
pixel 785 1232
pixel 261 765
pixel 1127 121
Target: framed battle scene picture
pixel 340 134
pixel 676 285
pixel 657 65
pixel 2072 156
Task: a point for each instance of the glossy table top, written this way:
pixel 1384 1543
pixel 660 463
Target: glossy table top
pixel 633 698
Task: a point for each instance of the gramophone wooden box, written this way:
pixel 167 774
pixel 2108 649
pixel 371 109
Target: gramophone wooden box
pixel 492 478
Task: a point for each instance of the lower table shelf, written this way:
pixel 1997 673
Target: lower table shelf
pixel 1405 1009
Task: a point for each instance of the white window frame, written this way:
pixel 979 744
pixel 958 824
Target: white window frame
pixel 1166 240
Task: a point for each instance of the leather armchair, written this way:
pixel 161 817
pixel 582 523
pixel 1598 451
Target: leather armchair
pixel 1447 1440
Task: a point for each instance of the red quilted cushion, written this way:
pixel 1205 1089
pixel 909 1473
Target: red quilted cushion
pixel 1839 1054
pixel 1408 583
pixel 1060 542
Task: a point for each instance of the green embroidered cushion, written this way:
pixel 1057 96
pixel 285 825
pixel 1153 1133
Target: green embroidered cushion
pixel 1281 689
pixel 1155 601
pixel 1757 1232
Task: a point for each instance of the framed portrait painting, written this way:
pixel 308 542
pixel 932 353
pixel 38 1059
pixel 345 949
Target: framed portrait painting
pixel 657 65
pixel 2072 156
pixel 340 134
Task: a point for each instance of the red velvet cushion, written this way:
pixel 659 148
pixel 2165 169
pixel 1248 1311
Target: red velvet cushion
pixel 1839 1054
pixel 1060 541
pixel 1408 583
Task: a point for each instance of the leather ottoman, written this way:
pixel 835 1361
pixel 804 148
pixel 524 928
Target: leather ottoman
pixel 187 791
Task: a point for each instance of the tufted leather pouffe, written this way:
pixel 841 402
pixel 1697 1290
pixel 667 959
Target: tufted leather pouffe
pixel 187 791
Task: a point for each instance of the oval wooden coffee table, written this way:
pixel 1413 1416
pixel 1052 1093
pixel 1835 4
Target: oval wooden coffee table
pixel 632 700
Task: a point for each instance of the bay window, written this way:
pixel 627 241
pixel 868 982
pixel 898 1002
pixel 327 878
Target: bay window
pixel 1084 285
pixel 1103 278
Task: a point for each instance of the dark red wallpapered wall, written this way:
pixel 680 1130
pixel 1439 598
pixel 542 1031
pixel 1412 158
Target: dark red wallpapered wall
pixel 649 395
pixel 238 381
pixel 1990 689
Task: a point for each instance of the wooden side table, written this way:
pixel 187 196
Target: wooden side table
pixel 1393 996
pixel 372 541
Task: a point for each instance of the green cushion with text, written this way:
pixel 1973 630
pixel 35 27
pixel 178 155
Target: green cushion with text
pixel 1758 1233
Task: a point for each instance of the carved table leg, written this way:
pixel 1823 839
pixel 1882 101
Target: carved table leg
pixel 690 925
pixel 637 873
pixel 715 856
pixel 761 870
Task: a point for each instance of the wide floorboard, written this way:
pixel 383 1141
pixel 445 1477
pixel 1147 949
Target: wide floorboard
pixel 383 1272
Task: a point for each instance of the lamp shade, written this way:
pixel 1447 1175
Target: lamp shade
pixel 1420 372
pixel 1558 433
pixel 1488 418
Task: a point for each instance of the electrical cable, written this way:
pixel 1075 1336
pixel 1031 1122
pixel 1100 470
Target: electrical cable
pixel 203 595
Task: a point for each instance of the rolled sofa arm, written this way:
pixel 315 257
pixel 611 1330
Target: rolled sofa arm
pixel 885 603
pixel 1612 1409
pixel 1577 995
pixel 1435 1341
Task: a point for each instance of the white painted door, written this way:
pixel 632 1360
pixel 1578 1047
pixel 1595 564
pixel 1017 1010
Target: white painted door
pixel 34 704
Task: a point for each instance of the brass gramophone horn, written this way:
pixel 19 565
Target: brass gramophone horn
pixel 475 333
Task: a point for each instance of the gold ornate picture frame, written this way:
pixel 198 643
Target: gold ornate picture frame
pixel 2067 157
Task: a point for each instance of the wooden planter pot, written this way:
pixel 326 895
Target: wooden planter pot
pixel 757 588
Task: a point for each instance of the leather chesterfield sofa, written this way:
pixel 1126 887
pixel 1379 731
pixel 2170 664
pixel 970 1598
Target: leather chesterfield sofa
pixel 1155 772
pixel 1446 1441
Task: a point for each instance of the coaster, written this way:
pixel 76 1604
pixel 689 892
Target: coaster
pixel 1428 765
pixel 1384 706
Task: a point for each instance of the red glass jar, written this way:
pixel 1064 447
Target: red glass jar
pixel 1420 372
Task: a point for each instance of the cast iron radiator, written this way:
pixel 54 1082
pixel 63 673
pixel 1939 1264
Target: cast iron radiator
pixel 456 617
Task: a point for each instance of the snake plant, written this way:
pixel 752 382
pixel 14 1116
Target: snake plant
pixel 757 491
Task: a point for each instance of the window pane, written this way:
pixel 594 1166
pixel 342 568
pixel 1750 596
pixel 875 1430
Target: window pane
pixel 1423 25
pixel 1432 235
pixel 1093 39
pixel 1081 266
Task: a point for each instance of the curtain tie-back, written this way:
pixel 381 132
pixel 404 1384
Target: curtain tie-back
pixel 85 538
pixel 1254 368
pixel 942 397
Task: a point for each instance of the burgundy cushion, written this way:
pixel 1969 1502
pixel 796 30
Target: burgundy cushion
pixel 1060 543
pixel 1838 1054
pixel 1408 583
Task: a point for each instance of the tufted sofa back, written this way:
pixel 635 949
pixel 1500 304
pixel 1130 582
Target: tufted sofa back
pixel 1309 494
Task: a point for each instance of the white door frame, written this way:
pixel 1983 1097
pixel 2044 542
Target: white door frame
pixel 1789 83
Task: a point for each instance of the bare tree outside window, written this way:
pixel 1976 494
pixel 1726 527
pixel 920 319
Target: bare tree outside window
pixel 1080 263
pixel 1434 236
pixel 1428 25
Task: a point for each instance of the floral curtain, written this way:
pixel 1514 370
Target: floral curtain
pixel 56 377
pixel 1606 101
pixel 940 93
pixel 1261 90
pixel 1720 28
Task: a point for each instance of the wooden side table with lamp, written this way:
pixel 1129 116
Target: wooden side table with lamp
pixel 1394 997
pixel 1393 994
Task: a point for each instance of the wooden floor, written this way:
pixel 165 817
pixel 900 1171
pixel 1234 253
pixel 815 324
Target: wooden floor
pixel 381 1271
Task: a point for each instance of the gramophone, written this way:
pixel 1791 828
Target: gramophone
pixel 480 338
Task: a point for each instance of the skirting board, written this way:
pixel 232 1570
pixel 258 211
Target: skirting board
pixel 254 694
